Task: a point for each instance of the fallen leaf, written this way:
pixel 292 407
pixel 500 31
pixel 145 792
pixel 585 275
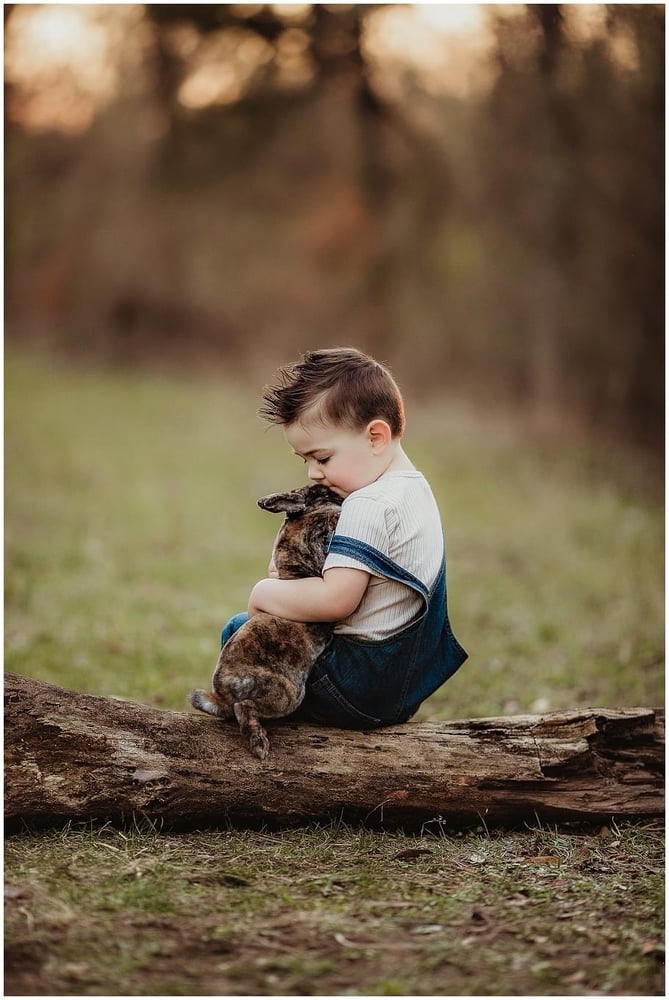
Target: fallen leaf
pixel 76 969
pixel 344 942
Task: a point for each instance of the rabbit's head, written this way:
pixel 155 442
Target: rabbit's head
pixel 301 545
pixel 297 501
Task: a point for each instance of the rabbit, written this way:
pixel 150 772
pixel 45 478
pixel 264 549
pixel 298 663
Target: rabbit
pixel 262 669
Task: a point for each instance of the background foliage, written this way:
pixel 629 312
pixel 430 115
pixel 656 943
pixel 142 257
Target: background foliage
pixel 481 208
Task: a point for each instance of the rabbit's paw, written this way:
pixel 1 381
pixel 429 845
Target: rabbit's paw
pixel 259 744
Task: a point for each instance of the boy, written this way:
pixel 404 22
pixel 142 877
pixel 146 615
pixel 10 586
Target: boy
pixel 384 578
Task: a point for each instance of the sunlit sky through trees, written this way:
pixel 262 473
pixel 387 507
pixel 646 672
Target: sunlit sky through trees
pixel 64 63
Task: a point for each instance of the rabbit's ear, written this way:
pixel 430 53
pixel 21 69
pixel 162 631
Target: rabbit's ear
pixel 289 503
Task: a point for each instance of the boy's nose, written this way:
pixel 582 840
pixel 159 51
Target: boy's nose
pixel 315 472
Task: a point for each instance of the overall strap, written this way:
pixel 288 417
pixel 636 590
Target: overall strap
pixel 378 562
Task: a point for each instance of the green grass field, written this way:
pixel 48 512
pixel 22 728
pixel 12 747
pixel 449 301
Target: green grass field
pixel 131 534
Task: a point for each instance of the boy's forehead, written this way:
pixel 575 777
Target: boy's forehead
pixel 309 436
pixel 313 436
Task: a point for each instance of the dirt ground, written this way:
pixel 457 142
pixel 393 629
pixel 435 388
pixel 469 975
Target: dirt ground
pixel 335 911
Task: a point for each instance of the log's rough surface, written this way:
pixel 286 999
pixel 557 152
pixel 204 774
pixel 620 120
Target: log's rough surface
pixel 73 756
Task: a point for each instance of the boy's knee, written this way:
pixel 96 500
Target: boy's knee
pixel 233 626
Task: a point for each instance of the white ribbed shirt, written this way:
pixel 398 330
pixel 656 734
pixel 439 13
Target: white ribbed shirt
pixel 398 516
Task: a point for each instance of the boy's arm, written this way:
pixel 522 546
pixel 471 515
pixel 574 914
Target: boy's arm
pixel 329 598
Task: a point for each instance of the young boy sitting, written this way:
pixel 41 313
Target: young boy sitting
pixel 384 578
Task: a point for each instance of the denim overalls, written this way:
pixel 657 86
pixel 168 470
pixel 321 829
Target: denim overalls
pixel 360 684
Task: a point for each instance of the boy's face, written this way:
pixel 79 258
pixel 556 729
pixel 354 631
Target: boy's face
pixel 338 457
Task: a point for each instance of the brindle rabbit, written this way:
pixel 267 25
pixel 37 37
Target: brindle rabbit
pixel 262 669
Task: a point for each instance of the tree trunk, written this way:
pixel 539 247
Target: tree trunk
pixel 73 756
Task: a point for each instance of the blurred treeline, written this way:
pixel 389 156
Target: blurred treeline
pixel 504 242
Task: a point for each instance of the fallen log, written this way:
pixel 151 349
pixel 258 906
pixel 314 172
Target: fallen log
pixel 74 756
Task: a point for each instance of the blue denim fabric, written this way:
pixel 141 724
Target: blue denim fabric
pixel 362 684
pixel 231 627
pixel 358 684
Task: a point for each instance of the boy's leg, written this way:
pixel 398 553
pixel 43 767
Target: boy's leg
pixel 329 704
pixel 233 625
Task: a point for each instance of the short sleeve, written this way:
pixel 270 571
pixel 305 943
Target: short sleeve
pixel 364 519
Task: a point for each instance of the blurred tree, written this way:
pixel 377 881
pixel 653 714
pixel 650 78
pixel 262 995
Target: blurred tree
pixel 372 144
pixel 577 198
pixel 531 188
pixel 262 175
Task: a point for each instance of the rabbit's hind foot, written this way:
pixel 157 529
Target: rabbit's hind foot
pixel 251 729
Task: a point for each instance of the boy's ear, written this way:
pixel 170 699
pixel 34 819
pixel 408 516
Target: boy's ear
pixel 379 434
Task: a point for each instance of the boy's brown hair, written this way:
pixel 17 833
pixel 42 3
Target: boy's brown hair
pixel 342 384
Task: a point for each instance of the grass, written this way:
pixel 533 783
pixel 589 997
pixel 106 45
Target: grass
pixel 131 535
pixel 335 911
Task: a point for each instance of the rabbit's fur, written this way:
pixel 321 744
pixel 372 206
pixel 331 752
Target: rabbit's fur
pixel 262 669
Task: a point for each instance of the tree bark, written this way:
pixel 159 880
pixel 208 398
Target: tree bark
pixel 73 756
